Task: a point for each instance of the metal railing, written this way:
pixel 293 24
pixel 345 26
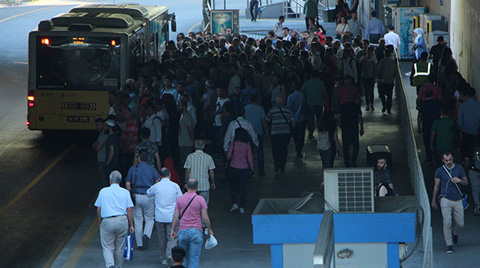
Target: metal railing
pixel 324 252
pixel 256 34
pixel 206 12
pixel 416 172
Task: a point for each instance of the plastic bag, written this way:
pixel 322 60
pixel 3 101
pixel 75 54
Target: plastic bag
pixel 211 242
pixel 128 253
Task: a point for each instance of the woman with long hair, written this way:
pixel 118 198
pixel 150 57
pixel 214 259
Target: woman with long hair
pixel 327 142
pixel 240 156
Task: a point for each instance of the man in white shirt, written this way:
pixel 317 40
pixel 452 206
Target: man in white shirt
pixel 154 124
pixel 115 215
pixel 166 193
pixel 391 38
pixel 234 83
pixel 286 34
pixel 279 27
pixel 190 108
pixel 239 122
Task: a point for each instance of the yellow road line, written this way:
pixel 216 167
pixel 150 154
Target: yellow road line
pixel 38 178
pixel 74 257
pixel 26 13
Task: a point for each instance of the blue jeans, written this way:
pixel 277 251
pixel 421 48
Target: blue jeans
pixel 254 10
pixel 191 240
pixel 350 139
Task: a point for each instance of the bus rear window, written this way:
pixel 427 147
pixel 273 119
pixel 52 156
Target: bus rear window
pixel 78 63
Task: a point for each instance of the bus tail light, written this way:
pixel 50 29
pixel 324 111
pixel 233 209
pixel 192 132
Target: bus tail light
pixel 113 43
pixel 28 123
pixel 45 41
pixel 31 99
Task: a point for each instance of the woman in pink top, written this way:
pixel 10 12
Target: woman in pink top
pixel 241 162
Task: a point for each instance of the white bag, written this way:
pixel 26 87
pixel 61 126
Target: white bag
pixel 211 242
pixel 323 142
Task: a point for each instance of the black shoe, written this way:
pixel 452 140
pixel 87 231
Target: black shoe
pixel 389 112
pixel 454 238
pixel 367 109
pixel 384 110
pixel 140 248
pixel 450 250
pixel 299 155
pixel 145 242
pixel 373 108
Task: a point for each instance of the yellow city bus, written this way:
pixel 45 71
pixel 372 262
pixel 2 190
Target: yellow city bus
pixel 76 58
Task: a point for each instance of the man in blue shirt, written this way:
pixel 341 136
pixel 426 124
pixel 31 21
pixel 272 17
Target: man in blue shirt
pixel 114 212
pixel 469 122
pixel 139 178
pixel 315 93
pixel 248 91
pixel 375 29
pixel 295 103
pixel 255 113
pixel 447 178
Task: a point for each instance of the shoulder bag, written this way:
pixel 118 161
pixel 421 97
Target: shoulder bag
pixel 464 196
pixel 292 130
pixel 181 215
pixel 134 187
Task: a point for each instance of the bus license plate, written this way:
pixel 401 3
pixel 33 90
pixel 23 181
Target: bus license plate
pixel 81 119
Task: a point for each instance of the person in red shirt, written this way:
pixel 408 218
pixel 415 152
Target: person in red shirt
pixel 348 92
pixel 168 163
pixel 128 139
pixel 437 91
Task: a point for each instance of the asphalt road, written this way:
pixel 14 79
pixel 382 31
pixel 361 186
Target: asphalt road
pixel 46 183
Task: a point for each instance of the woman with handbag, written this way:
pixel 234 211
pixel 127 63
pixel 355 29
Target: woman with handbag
pixel 240 156
pixel 342 28
pixel 327 142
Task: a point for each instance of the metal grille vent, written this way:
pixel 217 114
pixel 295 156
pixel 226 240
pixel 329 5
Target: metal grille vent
pixel 349 190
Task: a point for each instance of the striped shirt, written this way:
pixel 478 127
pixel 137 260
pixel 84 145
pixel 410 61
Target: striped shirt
pixel 199 164
pixel 131 128
pixel 279 124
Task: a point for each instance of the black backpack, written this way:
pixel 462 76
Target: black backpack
pixel 475 160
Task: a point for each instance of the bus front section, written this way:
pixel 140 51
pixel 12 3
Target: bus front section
pixel 70 77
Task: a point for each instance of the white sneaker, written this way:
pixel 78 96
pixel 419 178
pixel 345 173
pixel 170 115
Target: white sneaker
pixel 169 261
pixel 164 262
pixel 234 207
pixel 242 210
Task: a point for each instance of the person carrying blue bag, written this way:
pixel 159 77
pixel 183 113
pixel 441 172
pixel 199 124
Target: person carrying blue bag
pixel 115 216
pixel 447 177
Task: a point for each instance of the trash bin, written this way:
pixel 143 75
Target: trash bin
pixel 329 14
pixel 378 151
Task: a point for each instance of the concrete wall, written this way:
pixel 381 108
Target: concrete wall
pixel 465 37
pixel 463 21
pixel 435 7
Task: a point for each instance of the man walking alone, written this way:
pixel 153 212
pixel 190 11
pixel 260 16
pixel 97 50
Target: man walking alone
pixel 114 212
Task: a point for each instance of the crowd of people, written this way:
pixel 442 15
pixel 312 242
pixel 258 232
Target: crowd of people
pixel 223 97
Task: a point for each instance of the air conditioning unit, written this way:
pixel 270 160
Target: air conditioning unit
pixel 349 190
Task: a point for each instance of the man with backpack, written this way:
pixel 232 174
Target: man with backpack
pixel 383 177
pixel 240 121
pixel 474 176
